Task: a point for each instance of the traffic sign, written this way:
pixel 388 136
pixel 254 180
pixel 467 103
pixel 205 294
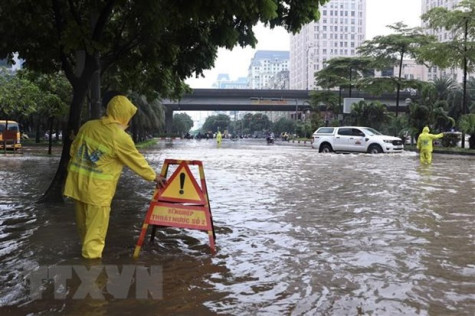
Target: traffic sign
pixel 181 203
pixel 182 188
pixel 176 215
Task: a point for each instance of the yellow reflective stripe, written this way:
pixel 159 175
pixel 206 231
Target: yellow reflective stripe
pixel 88 171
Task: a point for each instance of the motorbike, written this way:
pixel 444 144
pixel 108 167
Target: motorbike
pixel 270 140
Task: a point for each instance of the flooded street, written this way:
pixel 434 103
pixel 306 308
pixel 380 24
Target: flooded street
pixel 297 233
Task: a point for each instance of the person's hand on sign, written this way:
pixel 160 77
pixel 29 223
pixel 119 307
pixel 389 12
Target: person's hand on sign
pixel 160 181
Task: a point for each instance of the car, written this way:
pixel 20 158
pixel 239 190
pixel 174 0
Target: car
pixel 355 139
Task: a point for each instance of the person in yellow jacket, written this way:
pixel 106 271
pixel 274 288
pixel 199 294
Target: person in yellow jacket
pixel 98 153
pixel 219 138
pixel 424 145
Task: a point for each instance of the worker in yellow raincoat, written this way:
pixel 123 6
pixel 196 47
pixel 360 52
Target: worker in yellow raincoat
pixel 98 153
pixel 424 145
pixel 219 138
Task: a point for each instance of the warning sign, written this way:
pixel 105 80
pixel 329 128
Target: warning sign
pixel 182 188
pixel 181 203
pixel 168 214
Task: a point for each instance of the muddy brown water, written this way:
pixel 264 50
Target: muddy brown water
pixel 297 233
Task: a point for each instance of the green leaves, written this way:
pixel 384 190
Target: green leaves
pixel 182 123
pixel 460 23
pixel 467 123
pixel 372 114
pixel 216 123
pixel 153 44
pixel 19 97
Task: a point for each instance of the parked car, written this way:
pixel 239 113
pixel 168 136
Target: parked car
pixel 355 139
pixel 59 137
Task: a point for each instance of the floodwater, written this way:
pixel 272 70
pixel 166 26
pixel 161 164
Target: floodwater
pixel 297 233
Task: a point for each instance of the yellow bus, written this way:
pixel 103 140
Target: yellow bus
pixel 9 135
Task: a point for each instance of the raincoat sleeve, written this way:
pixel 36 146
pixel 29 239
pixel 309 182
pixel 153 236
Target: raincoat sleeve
pixel 130 156
pixel 437 136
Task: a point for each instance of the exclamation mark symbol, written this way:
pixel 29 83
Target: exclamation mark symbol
pixel 182 182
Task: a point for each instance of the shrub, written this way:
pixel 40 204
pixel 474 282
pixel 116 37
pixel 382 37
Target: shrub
pixel 450 139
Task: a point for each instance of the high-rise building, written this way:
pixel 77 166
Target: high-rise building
pixel 265 65
pixel 442 35
pixel 338 33
pixel 224 82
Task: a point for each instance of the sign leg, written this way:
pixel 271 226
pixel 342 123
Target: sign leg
pixel 140 241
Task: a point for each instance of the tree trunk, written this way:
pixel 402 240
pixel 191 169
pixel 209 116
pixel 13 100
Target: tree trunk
pixel 350 83
pixel 95 88
pixel 50 134
pixel 54 193
pixel 398 92
pixel 465 64
pixel 38 136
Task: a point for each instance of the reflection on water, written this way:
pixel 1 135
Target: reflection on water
pixel 298 233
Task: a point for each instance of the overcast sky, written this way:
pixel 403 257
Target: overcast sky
pixel 379 14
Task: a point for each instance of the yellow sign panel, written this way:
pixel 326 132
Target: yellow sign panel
pixel 169 214
pixel 182 188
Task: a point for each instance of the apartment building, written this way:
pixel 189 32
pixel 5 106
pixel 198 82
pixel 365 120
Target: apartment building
pixel 264 67
pixel 338 33
pixel 224 82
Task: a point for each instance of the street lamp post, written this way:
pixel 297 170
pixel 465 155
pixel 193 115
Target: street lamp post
pixel 296 108
pixel 465 64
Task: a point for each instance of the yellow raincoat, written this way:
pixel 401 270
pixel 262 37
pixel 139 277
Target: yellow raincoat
pixel 98 153
pixel 424 144
pixel 219 138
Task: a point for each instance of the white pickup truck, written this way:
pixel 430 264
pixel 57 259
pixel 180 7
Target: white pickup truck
pixel 355 139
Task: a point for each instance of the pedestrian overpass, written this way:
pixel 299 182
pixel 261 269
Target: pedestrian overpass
pixel 262 100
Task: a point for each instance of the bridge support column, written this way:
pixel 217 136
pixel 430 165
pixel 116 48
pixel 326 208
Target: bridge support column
pixel 168 121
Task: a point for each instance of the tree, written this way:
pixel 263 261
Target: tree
pixel 344 72
pixel 18 97
pixel 450 93
pixel 459 51
pixel 304 129
pixel 393 48
pixel 182 123
pixel 151 45
pixel 284 125
pixel 56 95
pixel 260 123
pixel 429 111
pixel 373 114
pixel 328 100
pixel 216 123
pixel 467 125
pixel 149 119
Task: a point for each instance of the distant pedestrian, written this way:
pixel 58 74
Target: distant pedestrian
pixel 219 138
pixel 424 145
